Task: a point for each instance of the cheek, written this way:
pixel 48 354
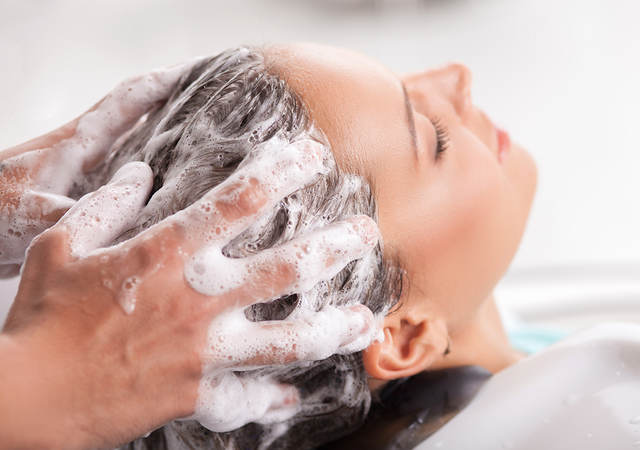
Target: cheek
pixel 522 173
pixel 468 234
pixel 479 226
pixel 481 214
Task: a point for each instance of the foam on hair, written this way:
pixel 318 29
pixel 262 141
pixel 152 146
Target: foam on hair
pixel 220 115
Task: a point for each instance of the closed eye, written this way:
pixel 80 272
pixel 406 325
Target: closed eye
pixel 442 137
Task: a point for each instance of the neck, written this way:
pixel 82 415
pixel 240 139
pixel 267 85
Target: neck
pixel 482 343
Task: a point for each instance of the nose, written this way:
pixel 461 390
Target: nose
pixel 456 80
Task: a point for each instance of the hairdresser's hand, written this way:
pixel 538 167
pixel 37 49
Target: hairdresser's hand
pixel 86 374
pixel 36 177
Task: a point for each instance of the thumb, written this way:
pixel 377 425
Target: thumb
pixel 101 216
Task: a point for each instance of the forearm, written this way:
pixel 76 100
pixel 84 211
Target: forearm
pixel 32 403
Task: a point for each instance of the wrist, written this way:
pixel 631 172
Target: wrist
pixel 32 403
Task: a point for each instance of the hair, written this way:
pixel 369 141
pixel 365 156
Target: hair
pixel 218 113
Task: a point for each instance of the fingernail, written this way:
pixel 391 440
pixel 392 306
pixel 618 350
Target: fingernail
pixel 290 397
pixel 285 405
pixel 315 149
pixel 359 331
pixel 367 228
pixel 132 173
pixel 362 317
pixel 312 155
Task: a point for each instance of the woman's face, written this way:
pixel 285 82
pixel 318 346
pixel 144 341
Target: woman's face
pixel 453 193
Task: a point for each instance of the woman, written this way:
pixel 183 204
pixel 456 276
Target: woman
pixel 453 197
pixel 450 192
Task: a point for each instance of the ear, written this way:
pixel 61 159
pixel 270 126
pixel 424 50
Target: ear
pixel 411 344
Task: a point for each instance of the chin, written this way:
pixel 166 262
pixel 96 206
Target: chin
pixel 523 172
pixel 532 176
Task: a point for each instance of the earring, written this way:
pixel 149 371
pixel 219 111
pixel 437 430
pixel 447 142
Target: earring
pixel 448 349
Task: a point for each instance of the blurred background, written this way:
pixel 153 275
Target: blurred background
pixel 560 76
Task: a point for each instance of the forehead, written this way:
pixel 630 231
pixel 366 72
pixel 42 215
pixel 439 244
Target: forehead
pixel 356 101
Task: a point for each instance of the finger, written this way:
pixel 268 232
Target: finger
pixel 227 402
pixel 235 342
pixel 30 184
pixel 24 211
pixel 98 129
pixel 277 170
pixel 45 207
pixel 292 267
pixel 101 216
pixel 23 218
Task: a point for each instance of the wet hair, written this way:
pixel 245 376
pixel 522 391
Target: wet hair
pixel 218 113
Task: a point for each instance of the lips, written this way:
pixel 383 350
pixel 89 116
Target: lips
pixel 501 143
pixel 504 143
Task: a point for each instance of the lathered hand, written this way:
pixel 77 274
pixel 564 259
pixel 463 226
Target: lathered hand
pixel 134 335
pixel 37 176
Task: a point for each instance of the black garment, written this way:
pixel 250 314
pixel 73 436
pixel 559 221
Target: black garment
pixel 403 414
pixel 409 410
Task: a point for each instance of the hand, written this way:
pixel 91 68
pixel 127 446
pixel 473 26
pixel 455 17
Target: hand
pixel 37 176
pixel 134 335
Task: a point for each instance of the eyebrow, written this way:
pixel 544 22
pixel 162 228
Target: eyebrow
pixel 411 122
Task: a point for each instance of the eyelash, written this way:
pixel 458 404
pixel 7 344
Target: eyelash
pixel 442 138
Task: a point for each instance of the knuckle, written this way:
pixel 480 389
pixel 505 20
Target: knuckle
pixel 50 244
pixel 143 253
pixel 151 248
pixel 241 200
pixel 365 228
pixel 284 272
pixel 54 237
pixel 13 182
pixel 272 278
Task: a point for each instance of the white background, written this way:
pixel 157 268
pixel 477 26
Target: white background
pixel 561 76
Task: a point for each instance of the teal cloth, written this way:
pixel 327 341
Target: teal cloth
pixel 526 337
pixel 531 339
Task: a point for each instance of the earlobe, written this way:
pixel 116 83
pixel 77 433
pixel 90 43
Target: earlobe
pixel 410 346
